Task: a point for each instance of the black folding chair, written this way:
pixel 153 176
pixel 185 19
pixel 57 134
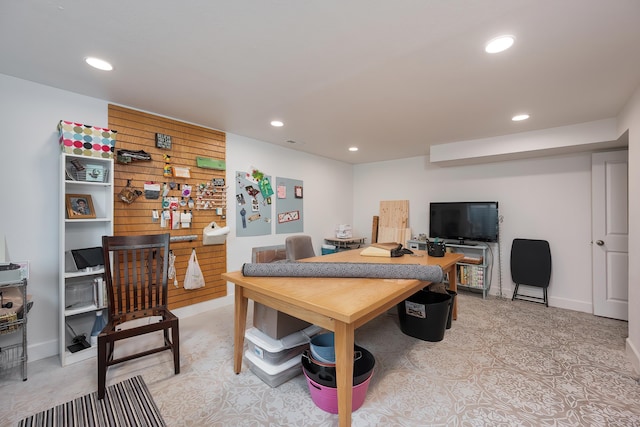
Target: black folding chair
pixel 531 266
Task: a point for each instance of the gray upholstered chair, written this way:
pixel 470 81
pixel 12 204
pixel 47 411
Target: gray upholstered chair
pixel 298 247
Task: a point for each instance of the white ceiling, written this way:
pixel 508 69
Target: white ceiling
pixel 392 77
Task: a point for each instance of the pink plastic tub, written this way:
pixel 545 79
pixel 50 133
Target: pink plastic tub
pixel 326 398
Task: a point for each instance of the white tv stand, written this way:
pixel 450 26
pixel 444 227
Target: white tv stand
pixel 472 271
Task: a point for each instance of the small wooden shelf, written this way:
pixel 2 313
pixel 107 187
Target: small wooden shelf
pixel 349 243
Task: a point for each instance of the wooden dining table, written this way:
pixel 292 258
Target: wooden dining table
pixel 337 304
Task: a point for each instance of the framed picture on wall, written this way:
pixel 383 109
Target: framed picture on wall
pixel 80 206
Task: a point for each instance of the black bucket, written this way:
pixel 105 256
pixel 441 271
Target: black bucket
pixel 424 315
pixel 453 300
pixel 325 373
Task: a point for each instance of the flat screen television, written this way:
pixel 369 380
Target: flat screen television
pixel 464 221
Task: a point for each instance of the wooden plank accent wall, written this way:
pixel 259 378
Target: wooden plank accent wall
pixel 136 131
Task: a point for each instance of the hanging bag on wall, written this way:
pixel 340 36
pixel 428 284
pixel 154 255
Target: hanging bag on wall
pixel 194 278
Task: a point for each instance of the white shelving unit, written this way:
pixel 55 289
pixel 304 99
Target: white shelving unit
pixel 472 272
pixel 78 291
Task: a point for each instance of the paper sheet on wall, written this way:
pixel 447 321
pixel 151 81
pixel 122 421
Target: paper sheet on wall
pixel 282 192
pixel 253 210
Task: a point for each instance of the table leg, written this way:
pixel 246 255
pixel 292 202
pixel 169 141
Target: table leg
pixel 453 286
pixel 344 342
pixel 239 326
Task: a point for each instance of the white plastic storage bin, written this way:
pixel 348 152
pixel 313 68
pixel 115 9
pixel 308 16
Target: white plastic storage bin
pixel 79 294
pixel 278 357
pixel 274 375
pixel 274 351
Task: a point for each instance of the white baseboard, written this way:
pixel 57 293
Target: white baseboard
pixel 42 350
pixel 634 356
pixel 201 307
pixel 571 304
pixel 50 348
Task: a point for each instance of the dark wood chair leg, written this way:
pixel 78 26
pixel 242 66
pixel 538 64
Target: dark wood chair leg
pixel 110 346
pixel 102 366
pixel 167 341
pixel 176 347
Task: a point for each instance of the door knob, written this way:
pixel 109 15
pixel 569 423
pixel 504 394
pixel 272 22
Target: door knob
pixel 599 242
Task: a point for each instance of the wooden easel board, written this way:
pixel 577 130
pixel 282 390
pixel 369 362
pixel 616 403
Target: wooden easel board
pixel 393 225
pixel 394 214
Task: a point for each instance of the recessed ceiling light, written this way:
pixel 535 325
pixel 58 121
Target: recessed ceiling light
pixel 520 117
pixel 499 44
pixel 98 63
pixel 353 148
pixel 276 123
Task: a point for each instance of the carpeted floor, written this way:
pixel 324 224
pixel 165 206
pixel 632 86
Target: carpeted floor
pixel 502 363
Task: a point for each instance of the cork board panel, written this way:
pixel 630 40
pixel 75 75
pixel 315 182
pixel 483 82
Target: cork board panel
pixel 137 131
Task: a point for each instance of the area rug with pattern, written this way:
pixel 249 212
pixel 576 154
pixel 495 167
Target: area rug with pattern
pixel 125 404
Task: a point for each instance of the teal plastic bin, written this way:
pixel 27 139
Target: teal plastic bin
pixel 328 249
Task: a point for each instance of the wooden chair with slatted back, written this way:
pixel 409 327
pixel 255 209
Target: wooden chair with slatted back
pixel 136 270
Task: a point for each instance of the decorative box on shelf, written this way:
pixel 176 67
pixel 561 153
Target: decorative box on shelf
pixel 86 140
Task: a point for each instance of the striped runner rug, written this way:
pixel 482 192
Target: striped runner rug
pixel 127 403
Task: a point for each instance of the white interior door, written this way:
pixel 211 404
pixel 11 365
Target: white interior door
pixel 610 234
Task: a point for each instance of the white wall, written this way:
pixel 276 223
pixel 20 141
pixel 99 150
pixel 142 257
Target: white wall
pixel 546 198
pixel 328 192
pixel 630 120
pixel 29 156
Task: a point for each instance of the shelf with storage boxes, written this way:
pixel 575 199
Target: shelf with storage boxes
pixel 277 340
pixel 472 271
pixel 86 214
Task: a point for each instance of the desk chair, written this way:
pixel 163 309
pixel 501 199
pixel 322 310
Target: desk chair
pixel 299 247
pixel 531 266
pixel 136 269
